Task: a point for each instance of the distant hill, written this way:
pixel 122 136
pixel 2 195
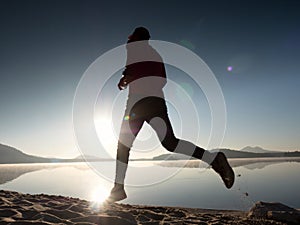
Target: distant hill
pixel 243 154
pixel 9 155
pixel 256 149
pixel 233 154
pixel 89 158
pixel 12 155
pixel 171 156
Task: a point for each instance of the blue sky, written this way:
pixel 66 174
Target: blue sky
pixel 47 45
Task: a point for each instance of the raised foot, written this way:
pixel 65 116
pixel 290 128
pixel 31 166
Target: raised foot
pixel 222 167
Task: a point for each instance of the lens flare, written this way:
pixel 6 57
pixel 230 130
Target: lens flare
pixel 106 133
pixel 229 68
pixel 187 44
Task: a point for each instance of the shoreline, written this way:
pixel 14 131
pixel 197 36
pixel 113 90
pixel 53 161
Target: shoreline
pixel 19 208
pixel 234 162
pixel 231 160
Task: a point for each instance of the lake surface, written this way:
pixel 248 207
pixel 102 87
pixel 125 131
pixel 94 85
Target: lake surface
pixel 272 181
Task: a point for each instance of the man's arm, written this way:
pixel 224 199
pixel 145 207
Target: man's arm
pixel 128 75
pixel 122 83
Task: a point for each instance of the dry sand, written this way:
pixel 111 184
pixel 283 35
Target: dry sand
pixel 17 208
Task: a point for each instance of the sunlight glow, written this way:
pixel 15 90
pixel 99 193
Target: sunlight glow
pixel 99 195
pixel 106 134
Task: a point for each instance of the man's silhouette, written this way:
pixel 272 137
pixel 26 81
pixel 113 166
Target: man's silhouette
pixel 146 76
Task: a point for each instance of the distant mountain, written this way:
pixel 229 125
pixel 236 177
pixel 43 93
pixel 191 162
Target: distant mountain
pixel 12 155
pixel 171 157
pixel 256 149
pixel 244 154
pixel 9 155
pixel 90 158
pixel 232 154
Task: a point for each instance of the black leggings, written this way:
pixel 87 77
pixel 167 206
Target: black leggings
pixel 152 110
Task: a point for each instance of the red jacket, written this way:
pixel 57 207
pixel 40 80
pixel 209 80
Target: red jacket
pixel 143 61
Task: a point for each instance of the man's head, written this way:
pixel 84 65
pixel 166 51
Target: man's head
pixel 139 34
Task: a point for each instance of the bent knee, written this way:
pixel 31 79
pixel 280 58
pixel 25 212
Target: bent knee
pixel 170 143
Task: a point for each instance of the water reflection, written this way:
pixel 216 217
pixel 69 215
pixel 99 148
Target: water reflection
pixel 257 180
pixel 10 172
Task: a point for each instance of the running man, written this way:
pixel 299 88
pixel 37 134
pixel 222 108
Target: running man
pixel 145 76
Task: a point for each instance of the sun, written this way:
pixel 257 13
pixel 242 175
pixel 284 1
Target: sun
pixel 99 195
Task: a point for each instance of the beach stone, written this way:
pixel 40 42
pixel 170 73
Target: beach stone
pixel 177 213
pixel 7 220
pixel 152 215
pixel 274 211
pixel 47 218
pixel 184 221
pixel 29 214
pixel 63 214
pixel 4 202
pixel 290 217
pixel 103 220
pixel 126 215
pixel 17 201
pixel 75 208
pixel 152 223
pixel 38 207
pixel 9 213
pixel 29 222
pixel 143 218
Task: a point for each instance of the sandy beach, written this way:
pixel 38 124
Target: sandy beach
pixel 18 208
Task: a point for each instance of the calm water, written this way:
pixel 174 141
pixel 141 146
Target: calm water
pixel 189 187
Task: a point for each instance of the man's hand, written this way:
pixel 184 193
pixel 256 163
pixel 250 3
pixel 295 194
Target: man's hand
pixel 122 83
